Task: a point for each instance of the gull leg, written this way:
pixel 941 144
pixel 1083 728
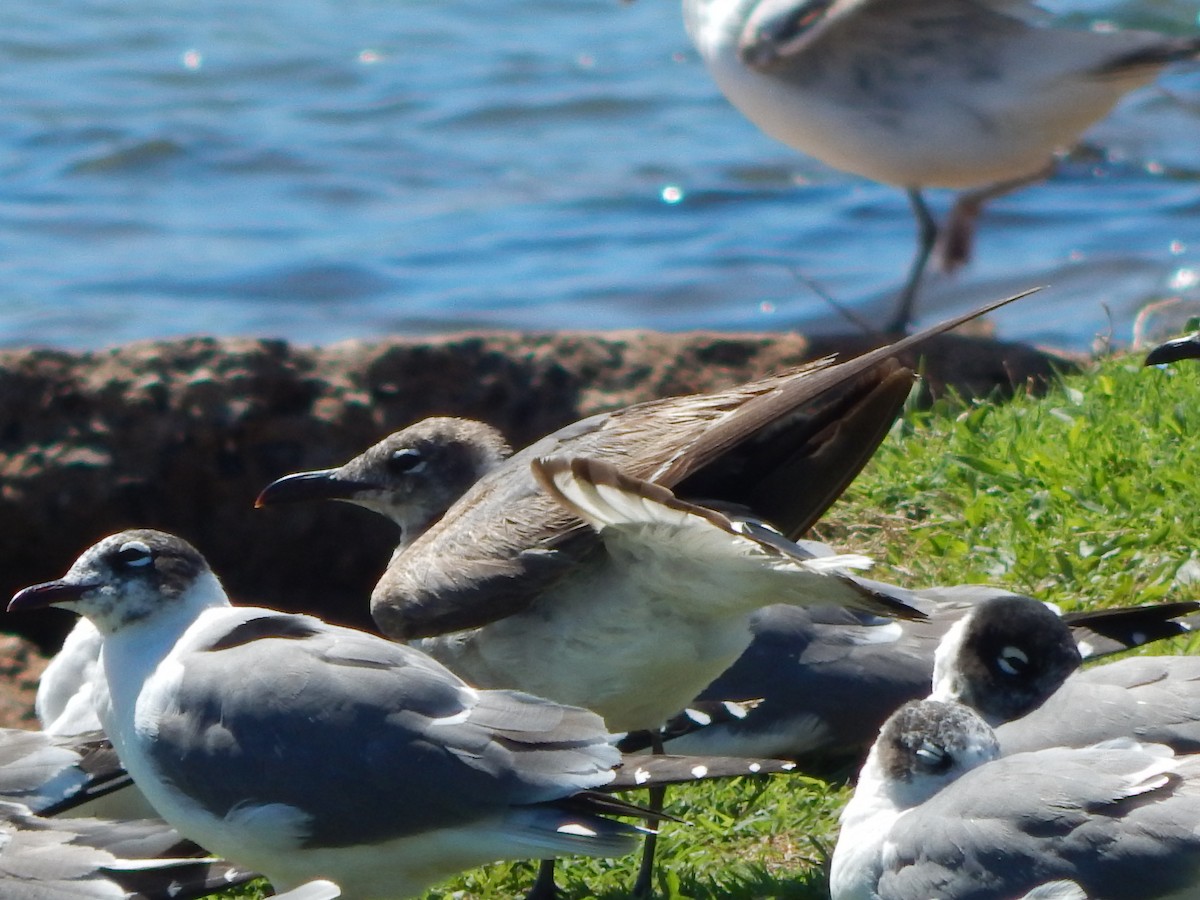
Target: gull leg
pixel 544 887
pixel 958 234
pixel 645 877
pixel 926 237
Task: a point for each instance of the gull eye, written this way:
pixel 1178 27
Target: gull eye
pixel 133 554
pixel 932 758
pixel 1012 661
pixel 405 462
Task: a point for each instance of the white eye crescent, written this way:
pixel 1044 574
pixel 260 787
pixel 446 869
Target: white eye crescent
pixel 931 755
pixel 134 553
pixel 406 461
pixel 1012 660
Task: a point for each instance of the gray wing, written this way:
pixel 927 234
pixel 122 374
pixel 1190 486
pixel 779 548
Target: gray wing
pixel 637 772
pixel 69 859
pixel 51 774
pixel 966 47
pixel 401 744
pixel 1098 818
pixel 828 677
pixel 825 678
pixel 809 38
pixel 825 686
pixel 1150 698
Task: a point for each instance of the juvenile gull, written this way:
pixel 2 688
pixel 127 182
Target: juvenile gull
pixel 509 589
pixel 959 94
pixel 1014 662
pixel 937 814
pixel 304 750
pixel 510 585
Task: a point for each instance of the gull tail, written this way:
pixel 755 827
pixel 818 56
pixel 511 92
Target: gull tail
pixel 1100 632
pixel 651 771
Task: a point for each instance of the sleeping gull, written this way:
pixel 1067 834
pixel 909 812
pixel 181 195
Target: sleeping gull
pixel 923 93
pixel 824 679
pixel 305 750
pixel 1014 662
pixel 937 814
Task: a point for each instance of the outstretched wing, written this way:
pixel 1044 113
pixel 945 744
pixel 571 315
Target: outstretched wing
pixel 786 446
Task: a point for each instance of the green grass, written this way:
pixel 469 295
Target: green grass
pixel 1086 497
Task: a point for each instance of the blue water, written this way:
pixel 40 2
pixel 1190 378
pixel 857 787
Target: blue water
pixel 319 170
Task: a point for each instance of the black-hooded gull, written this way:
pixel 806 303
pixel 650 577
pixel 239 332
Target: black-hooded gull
pixel 1014 662
pixel 823 680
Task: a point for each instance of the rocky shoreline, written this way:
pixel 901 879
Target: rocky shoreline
pixel 181 435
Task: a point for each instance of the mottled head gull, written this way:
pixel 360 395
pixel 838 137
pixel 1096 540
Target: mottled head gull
pixel 937 813
pixel 510 589
pixel 304 750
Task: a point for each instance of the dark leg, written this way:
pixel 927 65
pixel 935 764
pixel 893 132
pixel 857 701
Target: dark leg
pixel 544 887
pixel 926 236
pixel 644 885
pixel 958 234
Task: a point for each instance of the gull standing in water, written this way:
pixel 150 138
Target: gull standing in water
pixel 962 94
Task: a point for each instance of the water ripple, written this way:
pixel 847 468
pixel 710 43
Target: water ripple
pixel 326 169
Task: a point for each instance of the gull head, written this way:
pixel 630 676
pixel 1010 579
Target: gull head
pixel 925 745
pixel 412 476
pixel 1004 658
pixel 129 577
